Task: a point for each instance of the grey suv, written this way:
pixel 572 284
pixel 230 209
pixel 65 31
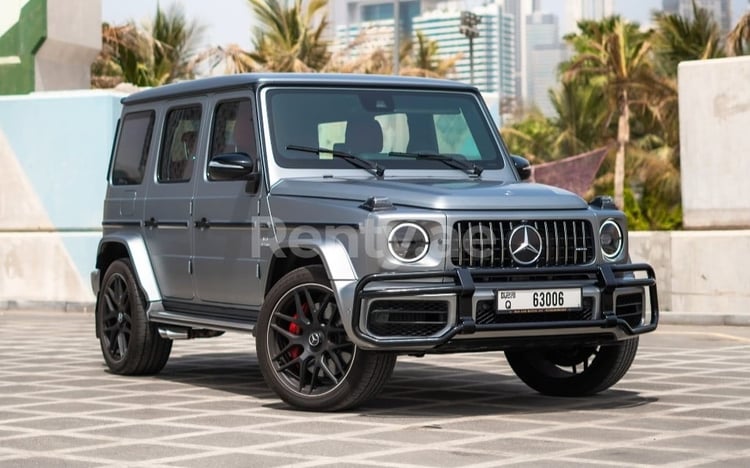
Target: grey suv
pixel 344 220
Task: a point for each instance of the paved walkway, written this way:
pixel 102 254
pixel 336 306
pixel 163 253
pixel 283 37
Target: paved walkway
pixel 685 402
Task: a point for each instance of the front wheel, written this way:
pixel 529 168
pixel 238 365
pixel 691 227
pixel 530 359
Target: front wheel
pixel 304 352
pixel 571 372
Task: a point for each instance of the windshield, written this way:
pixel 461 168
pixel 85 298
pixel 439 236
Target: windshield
pixel 372 124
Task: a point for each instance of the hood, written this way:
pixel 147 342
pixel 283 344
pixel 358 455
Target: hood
pixel 438 194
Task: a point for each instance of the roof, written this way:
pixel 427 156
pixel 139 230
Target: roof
pixel 253 80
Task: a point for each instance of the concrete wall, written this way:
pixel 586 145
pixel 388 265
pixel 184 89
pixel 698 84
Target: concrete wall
pixel 714 123
pixel 698 271
pixel 48 45
pixel 54 153
pixel 74 39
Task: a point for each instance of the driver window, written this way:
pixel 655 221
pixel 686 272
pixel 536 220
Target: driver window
pixel 233 130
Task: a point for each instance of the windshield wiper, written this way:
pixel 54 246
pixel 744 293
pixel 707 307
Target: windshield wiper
pixel 371 167
pixel 448 160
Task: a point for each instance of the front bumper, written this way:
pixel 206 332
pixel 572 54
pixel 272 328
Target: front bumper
pixel 462 290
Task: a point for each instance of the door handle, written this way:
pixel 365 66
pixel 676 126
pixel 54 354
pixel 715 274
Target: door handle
pixel 202 224
pixel 151 223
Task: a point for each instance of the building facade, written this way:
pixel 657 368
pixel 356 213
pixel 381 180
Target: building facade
pixel 545 52
pixel 577 10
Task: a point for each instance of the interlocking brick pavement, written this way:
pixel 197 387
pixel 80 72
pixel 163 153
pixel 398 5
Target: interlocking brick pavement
pixel 685 402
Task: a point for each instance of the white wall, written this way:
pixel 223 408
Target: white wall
pixel 698 271
pixel 714 100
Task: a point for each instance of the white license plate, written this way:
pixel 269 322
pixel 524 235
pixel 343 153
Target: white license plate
pixel 538 300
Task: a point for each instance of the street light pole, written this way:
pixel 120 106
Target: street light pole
pixel 468 27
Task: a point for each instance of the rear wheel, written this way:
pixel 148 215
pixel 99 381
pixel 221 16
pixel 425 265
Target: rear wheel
pixel 130 344
pixel 575 371
pixel 304 352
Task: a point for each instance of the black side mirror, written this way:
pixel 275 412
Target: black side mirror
pixel 523 166
pixel 232 166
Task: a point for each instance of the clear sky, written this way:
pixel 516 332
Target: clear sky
pixel 230 21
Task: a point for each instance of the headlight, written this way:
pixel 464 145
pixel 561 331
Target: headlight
pixel 611 239
pixel 408 242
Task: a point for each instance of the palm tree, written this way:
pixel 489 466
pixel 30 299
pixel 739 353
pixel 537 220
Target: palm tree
pixel 738 41
pixel 582 117
pixel 289 38
pixel 123 58
pixel 229 60
pixel 678 38
pixel 173 39
pixel 532 137
pixel 158 53
pixel 615 55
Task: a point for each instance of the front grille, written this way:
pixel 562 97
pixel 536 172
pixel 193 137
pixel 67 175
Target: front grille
pixel 629 307
pixel 407 318
pixel 486 314
pixel 486 243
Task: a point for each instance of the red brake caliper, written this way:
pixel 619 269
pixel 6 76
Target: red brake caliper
pixel 297 330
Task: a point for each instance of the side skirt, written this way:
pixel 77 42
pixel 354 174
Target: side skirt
pixel 191 315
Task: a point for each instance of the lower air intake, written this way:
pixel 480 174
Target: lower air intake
pixel 390 318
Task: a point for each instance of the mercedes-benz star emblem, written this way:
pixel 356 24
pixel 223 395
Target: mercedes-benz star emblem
pixel 525 244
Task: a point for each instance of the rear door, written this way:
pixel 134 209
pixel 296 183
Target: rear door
pixel 168 208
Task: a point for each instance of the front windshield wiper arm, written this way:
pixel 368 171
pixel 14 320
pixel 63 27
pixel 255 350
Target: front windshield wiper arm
pixel 371 167
pixel 455 163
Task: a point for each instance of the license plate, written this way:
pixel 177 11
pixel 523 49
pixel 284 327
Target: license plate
pixel 517 301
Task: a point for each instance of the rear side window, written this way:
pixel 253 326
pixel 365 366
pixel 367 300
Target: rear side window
pixel 132 148
pixel 180 145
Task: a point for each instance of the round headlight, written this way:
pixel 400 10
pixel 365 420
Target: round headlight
pixel 408 242
pixel 611 239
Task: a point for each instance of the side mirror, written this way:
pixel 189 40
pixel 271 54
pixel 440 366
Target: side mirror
pixel 523 166
pixel 232 166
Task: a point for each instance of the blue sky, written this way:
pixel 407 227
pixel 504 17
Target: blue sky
pixel 230 21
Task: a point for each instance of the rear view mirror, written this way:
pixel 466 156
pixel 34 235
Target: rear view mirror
pixel 523 166
pixel 231 166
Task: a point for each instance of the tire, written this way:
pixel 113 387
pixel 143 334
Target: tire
pixel 573 372
pixel 304 353
pixel 130 344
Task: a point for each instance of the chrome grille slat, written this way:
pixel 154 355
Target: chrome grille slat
pixel 480 243
pixel 546 241
pixel 575 244
pixel 460 244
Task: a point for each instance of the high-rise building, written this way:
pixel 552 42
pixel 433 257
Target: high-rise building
pixel 519 9
pixel 494 48
pixel 545 52
pixel 720 9
pixel 577 10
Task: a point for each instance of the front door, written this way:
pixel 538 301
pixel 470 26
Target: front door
pixel 167 214
pixel 226 256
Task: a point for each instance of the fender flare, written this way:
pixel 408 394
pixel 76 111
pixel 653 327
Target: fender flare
pixel 138 253
pixel 338 265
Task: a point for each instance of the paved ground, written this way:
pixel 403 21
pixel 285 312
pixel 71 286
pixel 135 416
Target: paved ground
pixel 685 402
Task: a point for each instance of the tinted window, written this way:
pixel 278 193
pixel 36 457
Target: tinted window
pixel 374 123
pixel 180 146
pixel 132 148
pixel 233 130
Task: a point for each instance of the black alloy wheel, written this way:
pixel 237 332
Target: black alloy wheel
pixel 573 371
pixel 304 351
pixel 131 345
